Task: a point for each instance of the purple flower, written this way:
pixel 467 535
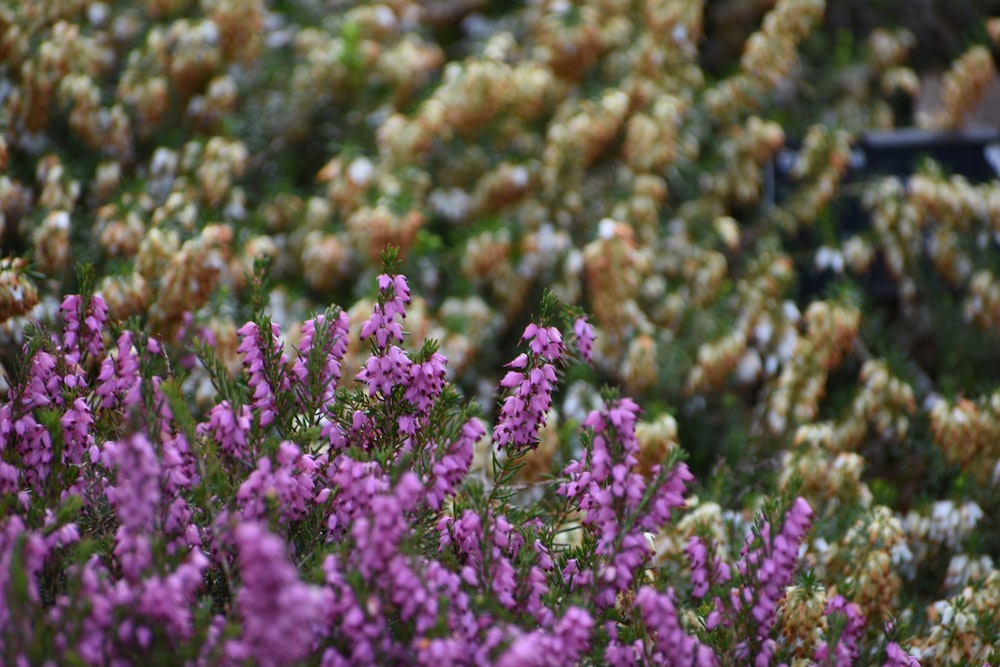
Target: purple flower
pixel 767 566
pixel 118 379
pixel 701 578
pixel 228 429
pixel 76 423
pixel 584 338
pixel 607 485
pixel 291 484
pixel 386 371
pixel 426 382
pixel 255 363
pixel 382 326
pixel 281 615
pixel 167 601
pixel 135 499
pixel 845 651
pixel 83 328
pixel 563 642
pixel 545 342
pixel 451 468
pixel 526 407
pixel 672 644
pixel 378 534
pixel 895 656
pixel 334 349
pixel 354 484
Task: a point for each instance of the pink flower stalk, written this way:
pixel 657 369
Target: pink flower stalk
pixel 118 379
pixel 769 566
pixel 335 347
pixel 526 408
pixel 845 652
pixel 607 485
pixel 394 295
pixel 449 470
pixel 895 656
pixel 584 332
pixel 383 372
pixel 425 383
pixel 167 601
pixel 135 499
pixel 354 485
pixel 361 632
pixel 281 615
pixel 76 424
pixel 463 536
pixel 229 429
pixel 378 534
pixel 671 644
pixel 291 484
pixel 565 642
pixel 44 384
pixel 703 577
pixel 544 342
pixel 11 529
pixel 252 350
pixel 529 387
pixel 83 328
pixel 34 445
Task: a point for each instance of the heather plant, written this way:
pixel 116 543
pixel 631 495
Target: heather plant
pixel 581 195
pixel 299 523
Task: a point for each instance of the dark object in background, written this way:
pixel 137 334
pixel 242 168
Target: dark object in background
pixel 974 154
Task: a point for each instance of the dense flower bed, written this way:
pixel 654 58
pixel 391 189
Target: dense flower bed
pixel 634 411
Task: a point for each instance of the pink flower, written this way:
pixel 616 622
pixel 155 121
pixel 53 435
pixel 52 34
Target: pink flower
pixel 584 338
pixel 281 614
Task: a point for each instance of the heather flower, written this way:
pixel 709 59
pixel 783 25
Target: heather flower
pixel 382 326
pixel 118 378
pixel 463 536
pixel 426 382
pixel 671 643
pixel 179 470
pixel 544 342
pixel 703 576
pixel 12 528
pixel 255 361
pixel 34 445
pixel 584 332
pixel 377 536
pixel 291 484
pixel 334 349
pixel 668 495
pixel 563 642
pixel 83 328
pixel 895 656
pixel 354 485
pixel 44 384
pixel 382 373
pixel 76 423
pixel 166 601
pixel 845 652
pixel 229 428
pixel 281 615
pixel 448 471
pixel 389 366
pixel 767 566
pixel 135 499
pixel 526 407
pixel 607 485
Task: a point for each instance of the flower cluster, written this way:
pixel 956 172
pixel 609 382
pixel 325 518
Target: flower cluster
pixel 186 434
